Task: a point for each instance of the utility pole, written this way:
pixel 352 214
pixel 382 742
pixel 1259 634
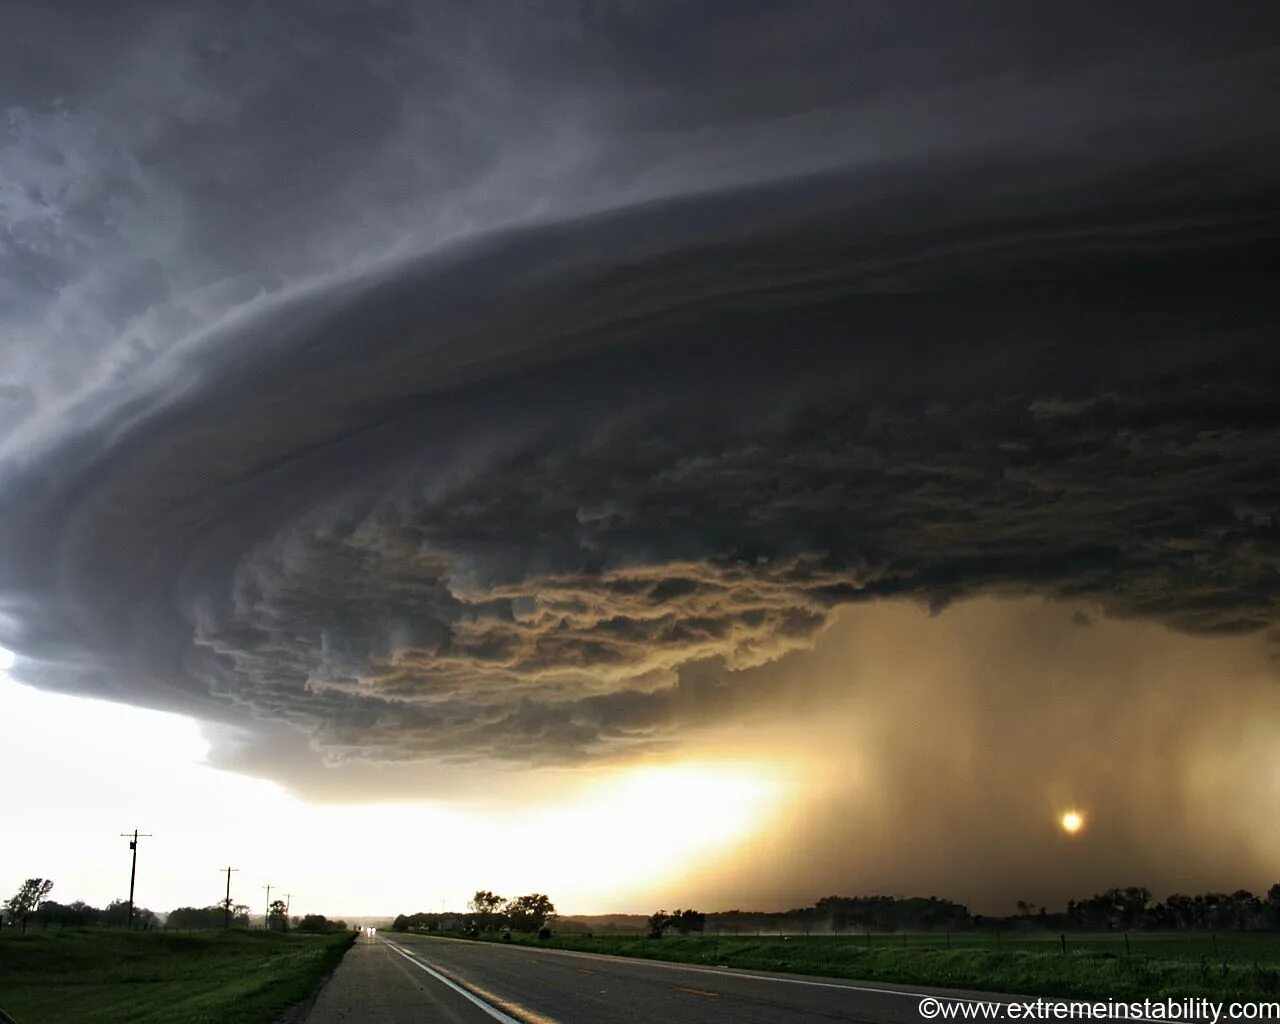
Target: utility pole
pixel 133 871
pixel 266 921
pixel 288 902
pixel 226 905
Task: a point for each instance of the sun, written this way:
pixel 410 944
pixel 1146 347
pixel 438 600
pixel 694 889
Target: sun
pixel 1071 822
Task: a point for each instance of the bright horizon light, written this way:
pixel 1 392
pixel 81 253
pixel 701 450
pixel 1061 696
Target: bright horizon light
pixel 614 844
pixel 1072 822
pixel 652 824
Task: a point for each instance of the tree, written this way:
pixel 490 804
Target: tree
pixel 277 917
pixel 184 918
pixel 77 915
pixel 1114 909
pixel 1273 903
pixel 116 915
pixel 485 905
pixel 207 917
pixel 1180 911
pixel 659 922
pixel 529 913
pixel 1243 909
pixel 420 921
pixel 27 899
pixel 687 921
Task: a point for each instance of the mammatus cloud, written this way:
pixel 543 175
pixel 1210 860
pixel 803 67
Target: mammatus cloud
pixel 437 435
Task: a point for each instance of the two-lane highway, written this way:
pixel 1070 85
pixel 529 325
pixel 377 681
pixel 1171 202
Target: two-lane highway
pixel 376 985
pixel 458 981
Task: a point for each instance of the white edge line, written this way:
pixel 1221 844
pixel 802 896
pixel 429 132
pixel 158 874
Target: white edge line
pixel 733 972
pixel 730 972
pixel 488 1008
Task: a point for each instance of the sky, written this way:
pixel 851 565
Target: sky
pixel 646 453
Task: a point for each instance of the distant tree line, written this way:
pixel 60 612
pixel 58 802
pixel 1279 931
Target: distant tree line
pixel 114 915
pixel 1121 909
pixel 486 912
pixel 847 914
pixel 1132 908
pixel 683 921
pixel 197 918
pixel 319 924
pixel 30 905
pixel 491 912
pixel 423 921
pixel 886 913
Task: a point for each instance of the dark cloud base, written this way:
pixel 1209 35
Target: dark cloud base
pixel 498 504
pixel 548 492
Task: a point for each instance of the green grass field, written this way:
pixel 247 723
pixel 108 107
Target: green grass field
pixel 109 976
pixel 1238 965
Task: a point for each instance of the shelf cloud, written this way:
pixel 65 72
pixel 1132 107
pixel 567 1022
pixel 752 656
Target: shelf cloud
pixel 517 387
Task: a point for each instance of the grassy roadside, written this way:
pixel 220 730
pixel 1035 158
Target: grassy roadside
pixel 107 976
pixel 1094 966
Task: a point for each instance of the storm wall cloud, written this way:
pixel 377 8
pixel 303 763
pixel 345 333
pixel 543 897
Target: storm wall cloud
pixel 489 386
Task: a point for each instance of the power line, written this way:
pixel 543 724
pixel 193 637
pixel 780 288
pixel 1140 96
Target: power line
pixel 133 871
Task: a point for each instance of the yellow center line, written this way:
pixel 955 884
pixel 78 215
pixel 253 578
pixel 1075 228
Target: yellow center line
pixel 495 1006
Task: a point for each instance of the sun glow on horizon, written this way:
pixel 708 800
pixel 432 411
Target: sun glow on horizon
pixel 1071 822
pixel 612 841
pixel 648 826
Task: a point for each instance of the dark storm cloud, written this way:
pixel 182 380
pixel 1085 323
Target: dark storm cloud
pixel 516 387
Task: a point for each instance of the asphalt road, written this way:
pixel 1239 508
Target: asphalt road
pixel 416 978
pixel 374 985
